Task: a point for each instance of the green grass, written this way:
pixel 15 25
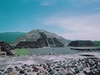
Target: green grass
pixel 20 52
pixel 97 43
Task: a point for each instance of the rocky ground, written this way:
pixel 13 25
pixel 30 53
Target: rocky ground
pixel 62 64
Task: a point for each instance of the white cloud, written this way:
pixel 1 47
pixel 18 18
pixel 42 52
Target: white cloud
pixel 82 27
pixel 46 3
pixel 97 8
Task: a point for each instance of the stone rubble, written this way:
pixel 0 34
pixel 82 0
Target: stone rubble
pixel 81 66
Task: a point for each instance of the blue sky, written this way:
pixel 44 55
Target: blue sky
pixel 72 19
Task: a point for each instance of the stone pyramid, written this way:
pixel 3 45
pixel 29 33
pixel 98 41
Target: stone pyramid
pixel 34 35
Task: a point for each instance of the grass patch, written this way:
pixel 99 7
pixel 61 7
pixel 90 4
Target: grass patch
pixel 97 43
pixel 20 52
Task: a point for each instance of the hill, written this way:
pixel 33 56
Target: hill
pixel 10 37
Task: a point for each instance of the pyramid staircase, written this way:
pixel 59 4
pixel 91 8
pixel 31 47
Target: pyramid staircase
pixel 51 41
pixel 7 48
pixel 58 43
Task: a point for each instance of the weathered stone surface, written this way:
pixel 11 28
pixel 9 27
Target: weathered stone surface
pixel 34 35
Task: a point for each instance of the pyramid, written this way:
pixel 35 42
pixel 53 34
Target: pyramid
pixel 5 47
pixel 40 38
pixel 81 43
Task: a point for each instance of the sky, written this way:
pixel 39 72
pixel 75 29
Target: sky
pixel 71 19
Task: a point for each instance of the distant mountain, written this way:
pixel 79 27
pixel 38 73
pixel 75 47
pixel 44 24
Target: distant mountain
pixel 10 37
pixel 35 35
